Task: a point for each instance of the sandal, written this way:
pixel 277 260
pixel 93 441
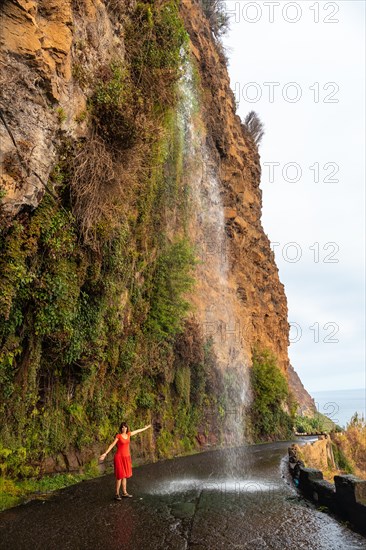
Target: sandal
pixel 117 497
pixel 126 495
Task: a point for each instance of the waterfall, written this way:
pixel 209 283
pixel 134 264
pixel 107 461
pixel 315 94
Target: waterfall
pixel 214 297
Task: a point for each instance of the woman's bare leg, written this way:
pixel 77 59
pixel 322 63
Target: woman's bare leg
pixel 118 485
pixel 124 487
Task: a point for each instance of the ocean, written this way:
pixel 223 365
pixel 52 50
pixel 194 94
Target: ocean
pixel 341 405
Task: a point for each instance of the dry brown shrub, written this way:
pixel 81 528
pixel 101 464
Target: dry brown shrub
pixel 253 127
pixel 353 444
pixel 101 186
pixel 190 343
pixel 119 10
pixel 218 18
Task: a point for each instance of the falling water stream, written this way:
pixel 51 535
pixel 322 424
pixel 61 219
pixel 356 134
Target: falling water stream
pixel 214 296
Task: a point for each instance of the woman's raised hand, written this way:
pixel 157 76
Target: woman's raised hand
pixel 148 426
pixel 102 457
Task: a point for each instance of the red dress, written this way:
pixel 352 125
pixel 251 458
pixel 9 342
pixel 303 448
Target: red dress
pixel 122 458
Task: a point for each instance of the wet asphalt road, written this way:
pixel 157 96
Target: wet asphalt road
pixel 232 499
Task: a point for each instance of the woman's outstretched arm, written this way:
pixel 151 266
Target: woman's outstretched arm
pixel 102 457
pixel 140 430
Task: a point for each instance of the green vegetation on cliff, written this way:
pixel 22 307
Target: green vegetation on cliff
pixel 349 447
pixel 93 284
pixel 271 397
pixel 316 424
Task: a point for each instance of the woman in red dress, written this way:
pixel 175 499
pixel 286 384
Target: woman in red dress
pixel 122 458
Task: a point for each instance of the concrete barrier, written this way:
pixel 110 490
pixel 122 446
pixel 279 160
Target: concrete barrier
pixel 351 499
pixel 346 496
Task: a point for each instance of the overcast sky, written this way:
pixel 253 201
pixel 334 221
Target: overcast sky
pixel 315 129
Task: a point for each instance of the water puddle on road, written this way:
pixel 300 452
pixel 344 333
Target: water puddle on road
pixel 222 485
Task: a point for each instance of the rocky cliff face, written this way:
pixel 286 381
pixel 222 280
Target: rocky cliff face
pixel 50 50
pixel 258 312
pixel 307 403
pixel 44 45
pixel 319 455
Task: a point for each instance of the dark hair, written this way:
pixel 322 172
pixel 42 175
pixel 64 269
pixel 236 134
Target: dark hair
pixel 123 424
